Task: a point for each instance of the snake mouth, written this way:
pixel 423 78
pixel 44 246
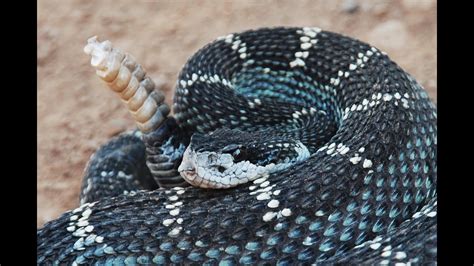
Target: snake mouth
pixel 187 168
pixel 189 174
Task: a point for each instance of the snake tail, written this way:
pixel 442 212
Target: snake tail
pixel 129 80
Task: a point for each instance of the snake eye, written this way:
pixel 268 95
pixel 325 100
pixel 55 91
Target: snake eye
pixel 231 148
pixel 238 152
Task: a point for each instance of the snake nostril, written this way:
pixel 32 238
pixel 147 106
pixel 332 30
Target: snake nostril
pixel 221 169
pixel 212 158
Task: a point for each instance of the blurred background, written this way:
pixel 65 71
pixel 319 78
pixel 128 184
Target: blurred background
pixel 77 113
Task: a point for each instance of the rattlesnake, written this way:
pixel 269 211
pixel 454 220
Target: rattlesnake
pixel 308 147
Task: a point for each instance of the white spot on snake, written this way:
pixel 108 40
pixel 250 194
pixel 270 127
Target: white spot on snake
pixel 297 62
pixel 352 67
pixel 273 203
pixel 367 163
pixel 73 218
pixel 330 151
pixel 236 44
pixel 269 216
pixel 405 103
pixel 242 50
pixel 355 160
pixel 344 150
pixel 168 222
pixel 308 241
pixel 377 239
pixel 311 30
pixel 387 97
pixel 89 228
pixel 304 39
pixel 319 213
pixel 375 246
pixel 305 46
pixel 431 214
pixel 286 212
pixel 260 180
pixel 174 212
pixel 71 228
pixel 80 232
pixel 264 196
pixel 276 192
pixel 175 231
pixel 82 223
pixel 79 244
pixel 400 255
pixel 173 198
pixel 86 213
pixel 90 238
pixel 386 253
pixel 121 174
pixel 228 38
pixel 99 239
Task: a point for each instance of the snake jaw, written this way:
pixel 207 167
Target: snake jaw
pixel 220 171
pixel 187 168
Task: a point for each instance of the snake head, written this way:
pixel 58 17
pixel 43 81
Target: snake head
pixel 228 157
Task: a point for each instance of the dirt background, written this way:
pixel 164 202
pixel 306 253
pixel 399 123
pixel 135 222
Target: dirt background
pixel 76 113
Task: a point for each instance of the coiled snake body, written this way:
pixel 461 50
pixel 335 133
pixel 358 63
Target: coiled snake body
pixel 328 147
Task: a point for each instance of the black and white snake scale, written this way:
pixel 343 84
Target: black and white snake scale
pixel 367 195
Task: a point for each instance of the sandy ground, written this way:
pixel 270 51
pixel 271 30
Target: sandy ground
pixel 76 113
